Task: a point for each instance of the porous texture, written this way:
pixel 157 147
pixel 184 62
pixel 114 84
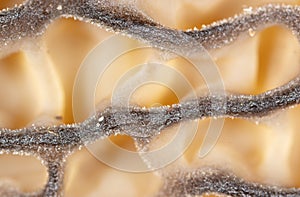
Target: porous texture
pixel 54 144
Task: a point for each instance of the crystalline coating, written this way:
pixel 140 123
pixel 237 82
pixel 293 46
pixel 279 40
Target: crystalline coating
pixel 197 182
pixel 53 144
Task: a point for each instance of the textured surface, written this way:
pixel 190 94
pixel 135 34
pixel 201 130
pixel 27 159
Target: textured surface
pixel 203 181
pixel 54 144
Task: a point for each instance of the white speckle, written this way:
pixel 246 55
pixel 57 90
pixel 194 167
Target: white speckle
pixel 248 10
pixel 251 32
pixel 101 119
pixel 59 7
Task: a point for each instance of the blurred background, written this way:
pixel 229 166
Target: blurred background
pixel 36 86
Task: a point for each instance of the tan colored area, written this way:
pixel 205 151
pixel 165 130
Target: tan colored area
pixel 9 4
pixel 36 87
